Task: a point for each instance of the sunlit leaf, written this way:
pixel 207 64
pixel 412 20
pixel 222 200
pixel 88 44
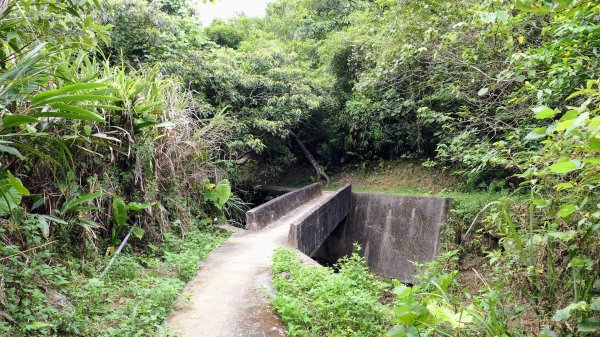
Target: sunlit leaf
pixel 41 97
pixel 71 112
pixel 119 211
pixel 565 166
pixel 69 205
pixel 9 197
pixel 537 133
pixel 11 150
pixel 17 184
pixel 563 236
pixel 14 120
pixel 566 210
pixel 594 141
pixel 543 112
pixel 565 313
pixel 44 226
pixel 138 232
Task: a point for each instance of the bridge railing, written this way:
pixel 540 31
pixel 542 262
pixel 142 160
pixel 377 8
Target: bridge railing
pixel 269 212
pixel 310 231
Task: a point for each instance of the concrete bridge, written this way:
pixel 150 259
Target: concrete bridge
pixel 229 296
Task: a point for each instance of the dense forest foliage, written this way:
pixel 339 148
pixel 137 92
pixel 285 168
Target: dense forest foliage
pixel 126 121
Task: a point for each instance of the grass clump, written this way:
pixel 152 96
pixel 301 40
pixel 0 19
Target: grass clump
pixel 315 301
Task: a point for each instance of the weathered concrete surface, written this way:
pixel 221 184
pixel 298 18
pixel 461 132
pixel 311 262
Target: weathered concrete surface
pixel 269 212
pixel 227 295
pixel 394 231
pixel 276 190
pixel 309 232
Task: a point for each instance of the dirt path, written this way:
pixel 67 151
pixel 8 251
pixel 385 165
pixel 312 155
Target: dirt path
pixel 228 296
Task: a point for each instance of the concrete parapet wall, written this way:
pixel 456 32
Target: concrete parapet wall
pixel 394 231
pixel 265 214
pixel 309 232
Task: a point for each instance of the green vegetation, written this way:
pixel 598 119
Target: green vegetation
pixel 126 123
pixel 316 301
pixel 97 155
pixel 51 295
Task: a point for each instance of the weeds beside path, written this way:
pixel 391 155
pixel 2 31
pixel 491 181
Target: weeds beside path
pixel 60 295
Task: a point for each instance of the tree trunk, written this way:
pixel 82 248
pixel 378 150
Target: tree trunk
pixel 311 159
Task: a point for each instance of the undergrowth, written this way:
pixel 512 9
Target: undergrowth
pixel 50 294
pixel 315 301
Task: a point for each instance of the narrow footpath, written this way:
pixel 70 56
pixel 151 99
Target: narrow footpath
pixel 229 296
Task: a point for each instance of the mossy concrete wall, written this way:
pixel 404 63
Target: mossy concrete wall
pixel 393 230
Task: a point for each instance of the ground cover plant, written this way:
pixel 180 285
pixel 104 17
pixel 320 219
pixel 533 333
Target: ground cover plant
pixel 54 296
pixel 315 301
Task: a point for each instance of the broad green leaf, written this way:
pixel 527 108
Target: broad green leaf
pixel 101 106
pixel 402 291
pixel 541 202
pixel 220 194
pixel 565 313
pixel 69 205
pixel 482 91
pixel 571 114
pixel 401 331
pixel 593 160
pixel 54 219
pixel 11 150
pixel 580 262
pixel 444 314
pixel 502 16
pixel 138 232
pixel 594 124
pixel 563 186
pixel 90 224
pixel 72 112
pixel 9 197
pixel 543 112
pixel 547 333
pixel 590 324
pixel 578 122
pixel 17 184
pixel 14 120
pixel 119 211
pixel 532 7
pixel 595 304
pixel 594 141
pixel 44 226
pixel 564 167
pixel 78 98
pixel 566 210
pixel 536 133
pixel 564 125
pixel 563 236
pixel 66 89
